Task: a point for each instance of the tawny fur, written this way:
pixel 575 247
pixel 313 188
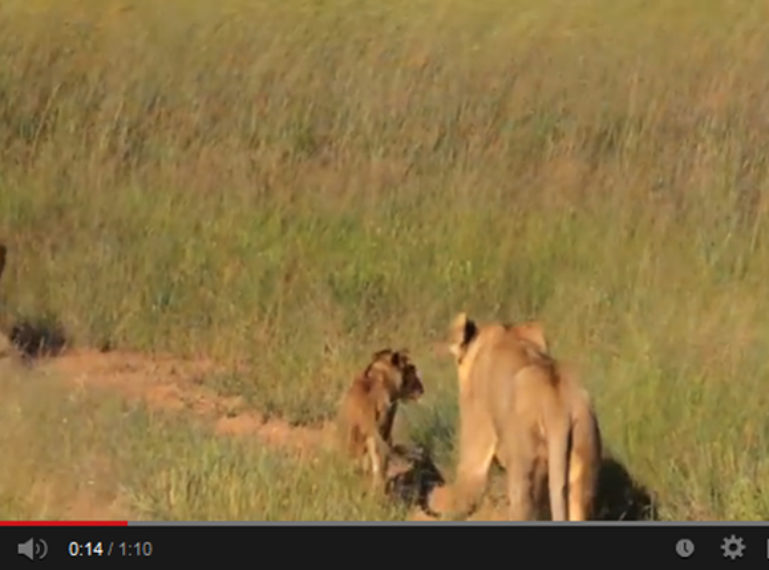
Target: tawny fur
pixel 519 405
pixel 368 408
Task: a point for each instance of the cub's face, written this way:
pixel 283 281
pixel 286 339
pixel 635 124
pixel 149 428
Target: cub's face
pixel 411 380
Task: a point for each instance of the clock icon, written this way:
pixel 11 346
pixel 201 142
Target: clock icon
pixel 684 548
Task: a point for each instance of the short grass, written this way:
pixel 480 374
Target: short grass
pixel 91 451
pixel 294 185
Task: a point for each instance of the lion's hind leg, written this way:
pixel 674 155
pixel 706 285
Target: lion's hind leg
pixel 584 466
pixel 524 477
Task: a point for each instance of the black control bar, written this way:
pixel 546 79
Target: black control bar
pixel 137 545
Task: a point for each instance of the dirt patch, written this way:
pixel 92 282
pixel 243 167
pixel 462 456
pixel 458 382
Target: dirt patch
pixel 166 383
pixel 239 425
pixel 277 432
pixel 88 507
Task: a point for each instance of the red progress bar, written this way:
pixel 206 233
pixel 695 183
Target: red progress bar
pixel 63 523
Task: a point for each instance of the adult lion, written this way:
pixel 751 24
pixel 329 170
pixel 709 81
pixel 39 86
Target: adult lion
pixel 518 405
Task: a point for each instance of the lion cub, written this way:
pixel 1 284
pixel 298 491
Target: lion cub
pixel 367 410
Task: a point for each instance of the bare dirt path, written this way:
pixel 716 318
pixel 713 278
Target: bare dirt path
pixel 171 384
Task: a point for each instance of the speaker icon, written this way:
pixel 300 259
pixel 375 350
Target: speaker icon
pixel 33 549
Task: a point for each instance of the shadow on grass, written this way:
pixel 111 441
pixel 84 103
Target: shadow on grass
pixel 620 496
pixel 38 338
pixel 413 485
pixel 34 337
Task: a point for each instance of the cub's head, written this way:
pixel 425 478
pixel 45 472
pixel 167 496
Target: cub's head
pixel 462 332
pixel 403 374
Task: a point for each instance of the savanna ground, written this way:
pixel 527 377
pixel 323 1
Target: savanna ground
pixel 267 192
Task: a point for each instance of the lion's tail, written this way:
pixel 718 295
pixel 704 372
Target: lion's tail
pixel 558 451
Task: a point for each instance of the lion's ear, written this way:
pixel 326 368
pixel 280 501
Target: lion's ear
pixel 463 330
pixel 459 321
pixel 471 330
pixel 534 332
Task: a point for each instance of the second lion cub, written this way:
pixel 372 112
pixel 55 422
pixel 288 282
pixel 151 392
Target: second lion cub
pixel 367 410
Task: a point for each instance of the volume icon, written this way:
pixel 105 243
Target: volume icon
pixel 33 549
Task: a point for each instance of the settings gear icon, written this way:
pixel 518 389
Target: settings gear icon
pixel 732 547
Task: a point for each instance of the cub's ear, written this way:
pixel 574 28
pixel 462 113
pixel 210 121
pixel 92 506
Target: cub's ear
pixel 534 332
pixel 400 357
pixel 379 354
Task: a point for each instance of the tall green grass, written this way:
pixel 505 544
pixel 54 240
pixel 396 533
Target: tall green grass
pixel 297 184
